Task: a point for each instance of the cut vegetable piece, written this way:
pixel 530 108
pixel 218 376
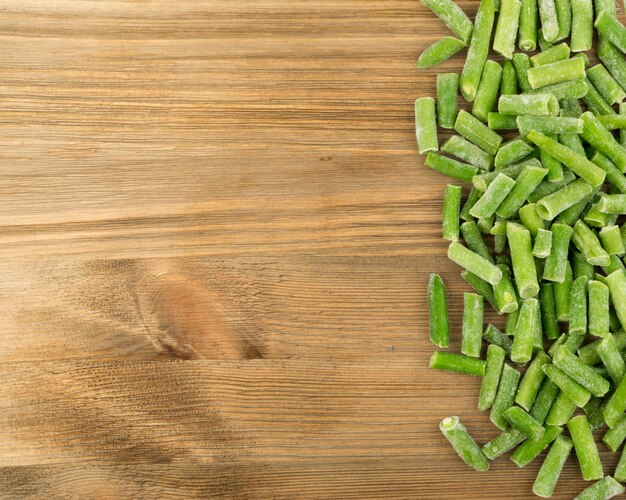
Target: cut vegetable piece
pixel 582 25
pixel 478 49
pixel 552 466
pixel 505 395
pixel 530 449
pixel 524 267
pixel 447 90
pixel 580 372
pixel 452 16
pixel 477 132
pixel 463 444
pixel 529 104
pixel 487 90
pixel 491 379
pixel 451 167
pixel 531 383
pixel 604 489
pixel 585 446
pixel 560 71
pixel 426 124
pixel 523 422
pixel 457 363
pixel 440 51
pixel 472 332
pixel 598 309
pixel 576 392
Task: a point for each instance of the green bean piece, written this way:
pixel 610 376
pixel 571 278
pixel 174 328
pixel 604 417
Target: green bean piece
pixel 601 139
pixel 613 122
pixel 530 385
pixel 472 332
pixel 523 340
pixel 575 212
pixel 611 239
pixel 573 366
pixel 450 214
pixel 596 416
pixel 426 124
pixel 491 379
pixel 495 194
pixel 507 27
pixel 613 59
pixel 481 287
pixel 542 42
pixel 552 205
pixel 613 438
pixel 573 142
pixel 561 411
pixel 524 267
pixel 544 400
pixel 600 5
pixel 582 167
pixel 543 244
pixel 553 54
pixel 438 322
pixel 506 296
pixel 530 219
pixel 478 49
pixel 604 489
pixel 474 240
pixel 552 466
pixel 587 242
pixel 498 121
pixel 508 84
pixel 548 311
pixel 564 17
pixel 505 396
pixel 447 89
pixel 616 405
pixel 502 443
pixel 613 174
pixel 613 204
pixel 595 218
pixel 521 62
pixel 452 16
pixel 598 309
pixel 549 125
pixel 605 84
pixel 572 89
pixel 616 263
pixel 440 51
pixel 609 26
pixel 451 167
pixel 529 104
pixel 578 307
pixel 495 336
pixel 612 358
pixel 576 392
pixel 525 184
pixel 531 448
pixel 581 267
pixel 585 446
pixel 582 25
pixel 528 26
pixel 477 132
pixel 556 263
pixel 589 353
pixel 523 422
pixel 557 72
pixel 512 152
pixel 474 263
pixel 456 433
pixel 616 281
pixel 622 132
pixel 457 363
pixel 487 90
pixel 472 198
pixel 549 21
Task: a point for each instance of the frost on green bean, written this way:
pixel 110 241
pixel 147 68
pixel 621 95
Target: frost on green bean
pixel 507 27
pixel 440 51
pixel 447 89
pixel 452 16
pixel 463 443
pixel 478 49
pixel 426 124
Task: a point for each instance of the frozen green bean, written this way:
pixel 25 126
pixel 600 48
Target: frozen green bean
pixel 613 438
pixel 577 211
pixel 463 444
pixel 614 61
pixel 530 219
pixel 472 332
pixel 468 152
pixel 505 396
pixel 593 174
pixel 562 410
pixel 601 139
pixel 578 306
pixel 507 27
pixel 589 353
pixel 512 152
pixel 523 422
pixel 531 448
pixel 506 297
pixel 447 89
pixel 549 125
pixel 587 242
pixel 598 309
pixel 508 84
pixel 493 370
pixel 481 287
pixel 495 194
pixel 452 16
pixel 477 132
pixel 503 443
pixel 582 25
pixel 478 49
pixel 548 311
pixel 526 183
pixel 529 104
pixel 549 21
pixel 605 84
pixel 527 40
pixel 474 240
pixel 544 400
pixel 498 121
pixel 564 17
pixel 609 26
pixel 581 267
pixel 611 239
pixel 451 210
pixel 586 449
pixel 613 174
pixel 613 204
pixel 557 72
pixel 530 385
pixel 543 244
pixel 556 53
pixel 426 124
pixel 576 392
pixel 524 267
pixel 457 363
pixel 521 62
pixel 487 90
pixel 556 263
pixel 474 263
pixel 451 167
pixel 471 200
pixel 573 366
pixel 622 132
pixel 552 466
pixel 604 489
pixel 616 281
pixel 439 325
pixel 552 205
pixel 523 340
pixel 613 122
pixel 495 336
pixel 616 405
pixel 440 51
pixel 612 358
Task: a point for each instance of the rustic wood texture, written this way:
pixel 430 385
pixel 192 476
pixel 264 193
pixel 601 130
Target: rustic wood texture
pixel 215 237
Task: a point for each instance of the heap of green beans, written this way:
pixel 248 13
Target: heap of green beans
pixel 538 235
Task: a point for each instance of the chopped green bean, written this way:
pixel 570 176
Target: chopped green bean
pixel 613 204
pixel 505 396
pixel 553 54
pixel 426 124
pixel 611 239
pixel 561 411
pixel 502 443
pixel 556 263
pixel 544 400
pixel 474 240
pixel 481 287
pixel 457 363
pixel 549 125
pixel 468 152
pixel 495 194
pixel 529 104
pixel 557 72
pixel 613 438
pixel 463 444
pixel 548 311
pixel 523 422
pixel 478 49
pixel 576 392
pixel 564 17
pixel 471 200
pixel 528 26
pixel 622 132
pixel 530 219
pixel 552 466
pixel 549 21
pixel 495 336
pixel 472 333
pixel 530 385
pixel 604 489
pixel 506 296
pixel 585 446
pixel 477 132
pixel 524 267
pixel 507 27
pixel 508 85
pixel 613 174
pixel 543 244
pixel 601 139
pixel 491 379
pixel 531 448
pixel 498 121
pixel 526 183
pixel 598 309
pixel 523 339
pixel 552 205
pixel 616 281
pixel 452 16
pixel 451 210
pixel 582 25
pixel 487 90
pixel 612 358
pixel 440 51
pixel 521 62
pixel 573 366
pixel 439 325
pixel 587 242
pixel 578 307
pixel 447 89
pixel 451 167
pixel 605 84
pixel 609 26
pixel 614 61
pixel 589 353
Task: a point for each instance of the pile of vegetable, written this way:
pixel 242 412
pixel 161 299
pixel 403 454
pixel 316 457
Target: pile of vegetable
pixel 538 236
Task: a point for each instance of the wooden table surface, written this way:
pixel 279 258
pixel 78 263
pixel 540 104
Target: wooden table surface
pixel 215 239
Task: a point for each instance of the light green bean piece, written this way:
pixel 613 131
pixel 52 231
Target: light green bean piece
pixel 549 125
pixel 604 83
pixel 452 16
pixel 530 219
pixel 601 139
pixel 457 363
pixel 613 438
pixel 463 444
pixel 493 370
pixel 556 263
pixel 523 422
pixel 522 65
pixel 548 311
pixel 598 308
pixel 576 392
pixel 529 104
pixel 552 466
pixel 506 297
pixel 487 90
pixel 505 396
pixel 582 25
pixel 478 50
pixel 524 267
pixel 463 149
pixel 609 26
pixel 474 263
pixel 498 121
pixel 564 17
pixel 531 448
pixel 451 167
pixel 477 132
pixel 508 85
pixel 426 124
pixel 502 443
pixel 530 385
pixel 561 411
pixel 528 26
pixel 613 204
pixel 559 52
pixel 543 243
pixel 616 281
pixel 572 89
pixel 472 332
pixel 604 489
pixel 440 51
pixel 613 174
pixel 447 89
pixel 451 210
pixel 611 239
pixel 512 152
pixel 552 205
pixel 523 340
pixel 525 184
pixel 612 358
pixel 506 29
pixel 549 21
pixel 614 61
pixel 580 372
pixel 586 449
pixel 557 72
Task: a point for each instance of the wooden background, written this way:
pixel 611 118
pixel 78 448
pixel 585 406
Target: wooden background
pixel 215 238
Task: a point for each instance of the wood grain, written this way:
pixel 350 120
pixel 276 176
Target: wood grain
pixel 215 237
